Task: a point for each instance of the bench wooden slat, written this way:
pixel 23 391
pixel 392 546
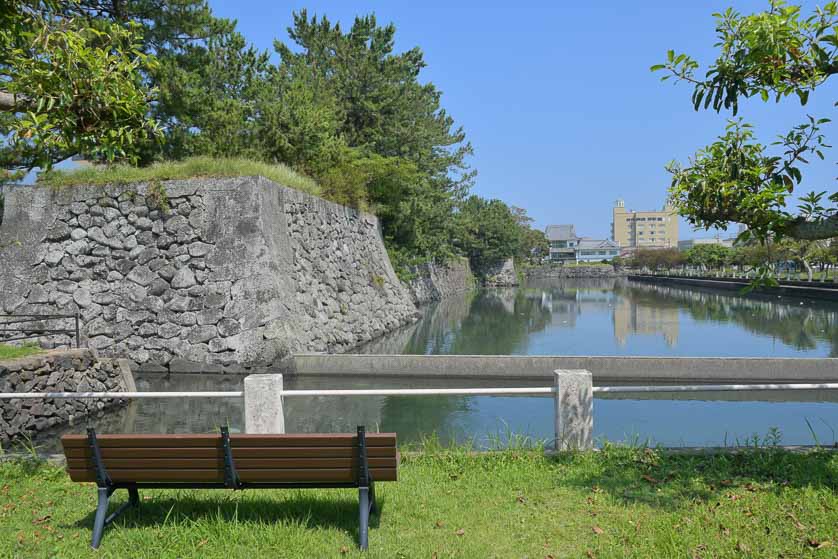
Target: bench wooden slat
pixel 336 475
pixel 237 440
pixel 239 452
pixel 218 463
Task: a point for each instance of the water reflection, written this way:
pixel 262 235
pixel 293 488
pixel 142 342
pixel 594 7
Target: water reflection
pixel 618 317
pixel 797 323
pixel 571 317
pixel 682 419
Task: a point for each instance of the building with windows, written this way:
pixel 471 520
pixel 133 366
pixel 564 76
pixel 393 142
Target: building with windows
pixel 644 229
pixel 565 246
pixel 562 239
pixel 684 246
pixel 596 250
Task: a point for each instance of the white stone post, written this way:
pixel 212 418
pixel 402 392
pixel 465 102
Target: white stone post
pixel 263 404
pixel 574 410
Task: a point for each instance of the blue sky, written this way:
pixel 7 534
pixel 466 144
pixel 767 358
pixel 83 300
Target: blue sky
pixel 557 97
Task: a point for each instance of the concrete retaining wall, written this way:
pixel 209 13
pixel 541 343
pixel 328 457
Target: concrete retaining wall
pixel 201 274
pixel 77 370
pixel 829 293
pixel 647 370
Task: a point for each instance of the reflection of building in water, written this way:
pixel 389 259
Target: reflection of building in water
pixel 568 299
pixel 796 323
pixel 631 317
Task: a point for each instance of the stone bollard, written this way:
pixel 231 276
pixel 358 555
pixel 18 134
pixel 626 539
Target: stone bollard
pixel 574 410
pixel 263 404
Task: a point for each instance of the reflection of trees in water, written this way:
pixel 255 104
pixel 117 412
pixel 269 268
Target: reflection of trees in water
pixel 412 417
pixel 499 323
pixel 799 324
pixel 431 335
pixel 486 322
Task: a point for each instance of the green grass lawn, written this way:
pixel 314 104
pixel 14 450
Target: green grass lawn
pixel 615 503
pixel 13 351
pixel 169 170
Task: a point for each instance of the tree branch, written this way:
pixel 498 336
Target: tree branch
pixel 12 102
pixel 801 229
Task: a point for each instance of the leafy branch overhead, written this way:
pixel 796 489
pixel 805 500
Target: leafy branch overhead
pixel 69 88
pixel 771 54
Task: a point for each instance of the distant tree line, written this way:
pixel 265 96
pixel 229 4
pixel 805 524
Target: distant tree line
pixel 810 256
pixel 145 80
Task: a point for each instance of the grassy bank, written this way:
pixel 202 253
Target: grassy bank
pixel 615 503
pixel 186 169
pixel 12 351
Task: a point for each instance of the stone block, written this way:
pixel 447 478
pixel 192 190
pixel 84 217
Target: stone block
pixel 574 402
pixel 263 410
pixel 141 275
pixel 183 279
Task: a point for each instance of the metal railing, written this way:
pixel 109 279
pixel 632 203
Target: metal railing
pixel 20 330
pixel 573 395
pixel 504 391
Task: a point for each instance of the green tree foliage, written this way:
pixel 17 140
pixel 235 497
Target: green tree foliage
pixel 202 76
pixel 384 107
pixel 393 147
pixel 533 246
pixel 776 53
pixel 68 87
pixel 489 232
pixel 709 256
pixel 656 259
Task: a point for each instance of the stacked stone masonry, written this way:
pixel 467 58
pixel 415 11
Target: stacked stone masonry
pixel 433 281
pixel 559 271
pixel 57 371
pixel 502 274
pixel 224 273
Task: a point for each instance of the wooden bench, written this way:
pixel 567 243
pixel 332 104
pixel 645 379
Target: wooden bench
pixel 226 461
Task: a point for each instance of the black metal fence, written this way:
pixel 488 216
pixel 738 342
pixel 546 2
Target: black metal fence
pixel 15 327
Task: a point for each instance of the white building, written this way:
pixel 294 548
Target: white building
pixel 684 246
pixel 566 246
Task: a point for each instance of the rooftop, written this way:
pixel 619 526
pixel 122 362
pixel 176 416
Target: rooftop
pixel 560 232
pixel 588 243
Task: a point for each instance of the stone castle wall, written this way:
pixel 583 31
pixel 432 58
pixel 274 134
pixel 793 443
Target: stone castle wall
pixel 217 272
pixel 434 281
pixel 502 274
pixel 57 371
pixel 559 271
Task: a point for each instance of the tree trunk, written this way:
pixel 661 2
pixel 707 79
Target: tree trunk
pixel 809 271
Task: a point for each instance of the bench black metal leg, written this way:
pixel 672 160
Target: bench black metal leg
pixel 373 503
pixel 101 513
pixel 134 496
pixel 364 506
pixel 102 516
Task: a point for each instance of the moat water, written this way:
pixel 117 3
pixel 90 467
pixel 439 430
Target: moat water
pixel 560 317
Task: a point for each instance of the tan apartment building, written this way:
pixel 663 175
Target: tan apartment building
pixel 652 229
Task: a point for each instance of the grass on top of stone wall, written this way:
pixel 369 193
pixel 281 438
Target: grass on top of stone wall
pixel 173 170
pixel 12 351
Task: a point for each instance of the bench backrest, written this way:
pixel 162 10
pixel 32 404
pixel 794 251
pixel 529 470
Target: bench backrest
pixel 298 458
